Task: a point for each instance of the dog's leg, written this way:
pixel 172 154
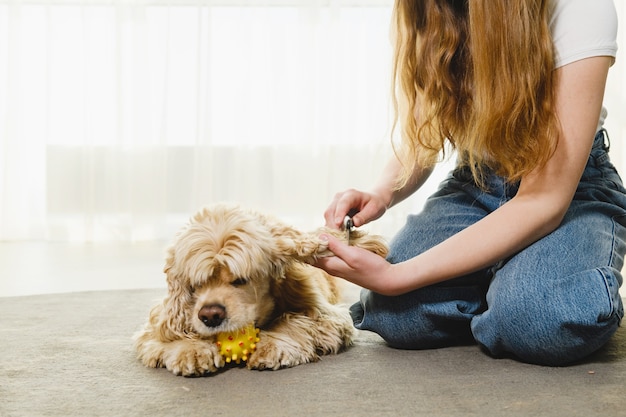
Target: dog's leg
pixel 308 247
pixel 158 346
pixel 361 239
pixel 295 339
pixel 186 357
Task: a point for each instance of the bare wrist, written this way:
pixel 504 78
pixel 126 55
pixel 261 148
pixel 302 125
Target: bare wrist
pixel 385 195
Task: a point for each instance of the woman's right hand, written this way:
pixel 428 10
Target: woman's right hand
pixel 363 207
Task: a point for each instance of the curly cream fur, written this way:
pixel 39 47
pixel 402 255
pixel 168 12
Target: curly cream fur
pixel 256 268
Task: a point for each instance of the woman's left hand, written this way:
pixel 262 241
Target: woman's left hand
pixel 358 266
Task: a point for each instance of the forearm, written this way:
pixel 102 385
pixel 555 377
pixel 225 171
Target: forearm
pixel 501 234
pixel 386 187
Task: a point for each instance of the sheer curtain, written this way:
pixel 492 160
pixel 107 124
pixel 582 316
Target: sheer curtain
pixel 120 118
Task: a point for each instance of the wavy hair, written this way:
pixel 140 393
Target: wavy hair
pixel 479 75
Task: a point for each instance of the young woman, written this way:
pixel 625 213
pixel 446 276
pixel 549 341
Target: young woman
pixel 521 247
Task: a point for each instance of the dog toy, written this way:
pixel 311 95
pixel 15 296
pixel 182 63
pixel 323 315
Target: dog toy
pixel 236 346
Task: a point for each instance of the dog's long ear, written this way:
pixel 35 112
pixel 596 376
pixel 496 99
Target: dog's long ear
pixel 177 303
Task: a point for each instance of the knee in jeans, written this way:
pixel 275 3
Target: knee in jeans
pixel 558 344
pixel 435 338
pixel 549 333
pixel 419 320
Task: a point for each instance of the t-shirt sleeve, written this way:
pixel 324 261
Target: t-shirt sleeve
pixel 583 29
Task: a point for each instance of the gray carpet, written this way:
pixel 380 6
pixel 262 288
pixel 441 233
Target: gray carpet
pixel 70 355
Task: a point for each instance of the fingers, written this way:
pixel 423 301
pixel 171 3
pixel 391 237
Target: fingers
pixel 334 265
pixel 335 245
pixel 348 255
pixel 368 213
pixel 329 214
pixel 362 207
pixel 354 264
pixel 347 203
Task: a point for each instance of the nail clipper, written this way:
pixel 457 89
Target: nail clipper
pixel 348 225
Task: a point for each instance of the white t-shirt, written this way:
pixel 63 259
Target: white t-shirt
pixel 583 29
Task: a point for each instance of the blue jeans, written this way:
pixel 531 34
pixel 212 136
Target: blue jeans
pixel 553 303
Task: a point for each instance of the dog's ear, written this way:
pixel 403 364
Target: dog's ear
pixel 177 303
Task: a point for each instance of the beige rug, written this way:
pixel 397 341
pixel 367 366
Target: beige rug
pixel 70 355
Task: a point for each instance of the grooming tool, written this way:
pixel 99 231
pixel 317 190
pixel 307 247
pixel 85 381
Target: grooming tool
pixel 348 224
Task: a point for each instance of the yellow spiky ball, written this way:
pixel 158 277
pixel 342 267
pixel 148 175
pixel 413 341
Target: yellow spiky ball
pixel 238 345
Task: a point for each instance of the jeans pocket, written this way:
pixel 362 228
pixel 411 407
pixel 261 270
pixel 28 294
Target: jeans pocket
pixel 612 279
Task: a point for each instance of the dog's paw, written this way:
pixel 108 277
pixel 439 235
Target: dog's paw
pixel 192 357
pixel 275 353
pixel 322 250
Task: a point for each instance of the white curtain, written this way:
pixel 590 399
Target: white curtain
pixel 119 119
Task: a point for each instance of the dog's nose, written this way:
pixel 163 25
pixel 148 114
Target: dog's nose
pixel 212 315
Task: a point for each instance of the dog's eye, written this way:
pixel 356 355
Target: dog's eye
pixel 239 282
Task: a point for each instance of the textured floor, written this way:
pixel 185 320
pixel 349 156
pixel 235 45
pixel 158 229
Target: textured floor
pixel 70 354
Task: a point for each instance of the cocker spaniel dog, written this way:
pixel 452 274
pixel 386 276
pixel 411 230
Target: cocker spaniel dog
pixel 229 267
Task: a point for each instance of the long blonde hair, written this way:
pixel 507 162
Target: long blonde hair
pixel 478 74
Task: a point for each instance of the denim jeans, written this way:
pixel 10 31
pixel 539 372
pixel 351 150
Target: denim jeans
pixel 553 303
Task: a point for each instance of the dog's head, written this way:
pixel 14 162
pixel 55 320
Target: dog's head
pixel 223 265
